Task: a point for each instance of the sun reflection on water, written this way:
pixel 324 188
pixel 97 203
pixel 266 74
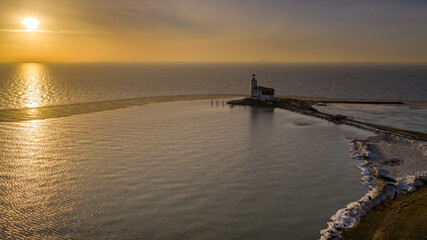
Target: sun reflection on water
pixel 32 81
pixel 30 163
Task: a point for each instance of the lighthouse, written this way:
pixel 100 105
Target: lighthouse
pixel 260 93
pixel 253 86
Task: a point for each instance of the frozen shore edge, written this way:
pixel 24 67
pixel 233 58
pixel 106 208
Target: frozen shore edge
pixel 383 185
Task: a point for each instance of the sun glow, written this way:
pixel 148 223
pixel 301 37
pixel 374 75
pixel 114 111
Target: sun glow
pixel 31 85
pixel 31 24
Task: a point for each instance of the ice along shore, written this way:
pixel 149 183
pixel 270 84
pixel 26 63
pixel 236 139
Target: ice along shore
pixel 394 161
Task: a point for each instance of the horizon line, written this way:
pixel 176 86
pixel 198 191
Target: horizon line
pixel 260 62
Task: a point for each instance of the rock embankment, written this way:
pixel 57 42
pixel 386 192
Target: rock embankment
pixel 295 105
pixel 401 218
pixel 391 164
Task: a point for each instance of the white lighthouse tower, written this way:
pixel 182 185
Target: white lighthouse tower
pixel 260 93
pixel 254 84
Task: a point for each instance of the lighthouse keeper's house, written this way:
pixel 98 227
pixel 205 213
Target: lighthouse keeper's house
pixel 260 93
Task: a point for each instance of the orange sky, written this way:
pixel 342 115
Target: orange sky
pixel 215 30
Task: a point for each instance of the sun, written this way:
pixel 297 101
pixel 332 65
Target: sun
pixel 30 23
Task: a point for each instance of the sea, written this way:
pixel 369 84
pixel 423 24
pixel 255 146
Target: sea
pixel 112 150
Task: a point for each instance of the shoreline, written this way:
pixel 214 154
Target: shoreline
pixel 391 165
pixel 394 161
pixel 65 110
pixel 306 107
pixel 401 218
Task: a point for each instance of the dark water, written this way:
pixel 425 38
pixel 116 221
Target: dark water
pixel 30 85
pixel 178 170
pixel 126 169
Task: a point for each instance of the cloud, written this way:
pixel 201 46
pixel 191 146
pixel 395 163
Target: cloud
pixel 265 27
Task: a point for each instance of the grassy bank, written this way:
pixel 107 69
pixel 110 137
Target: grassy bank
pixel 405 217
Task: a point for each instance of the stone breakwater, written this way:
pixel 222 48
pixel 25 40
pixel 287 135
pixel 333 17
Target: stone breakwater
pixel 390 165
pixel 306 107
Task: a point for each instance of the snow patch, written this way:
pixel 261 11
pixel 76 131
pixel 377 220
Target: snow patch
pixel 383 184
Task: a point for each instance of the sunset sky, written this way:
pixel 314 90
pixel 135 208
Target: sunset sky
pixel 214 30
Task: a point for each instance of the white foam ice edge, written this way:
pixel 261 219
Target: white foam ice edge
pixel 381 189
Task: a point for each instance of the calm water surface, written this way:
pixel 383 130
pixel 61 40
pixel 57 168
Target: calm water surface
pixel 179 170
pixel 33 85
